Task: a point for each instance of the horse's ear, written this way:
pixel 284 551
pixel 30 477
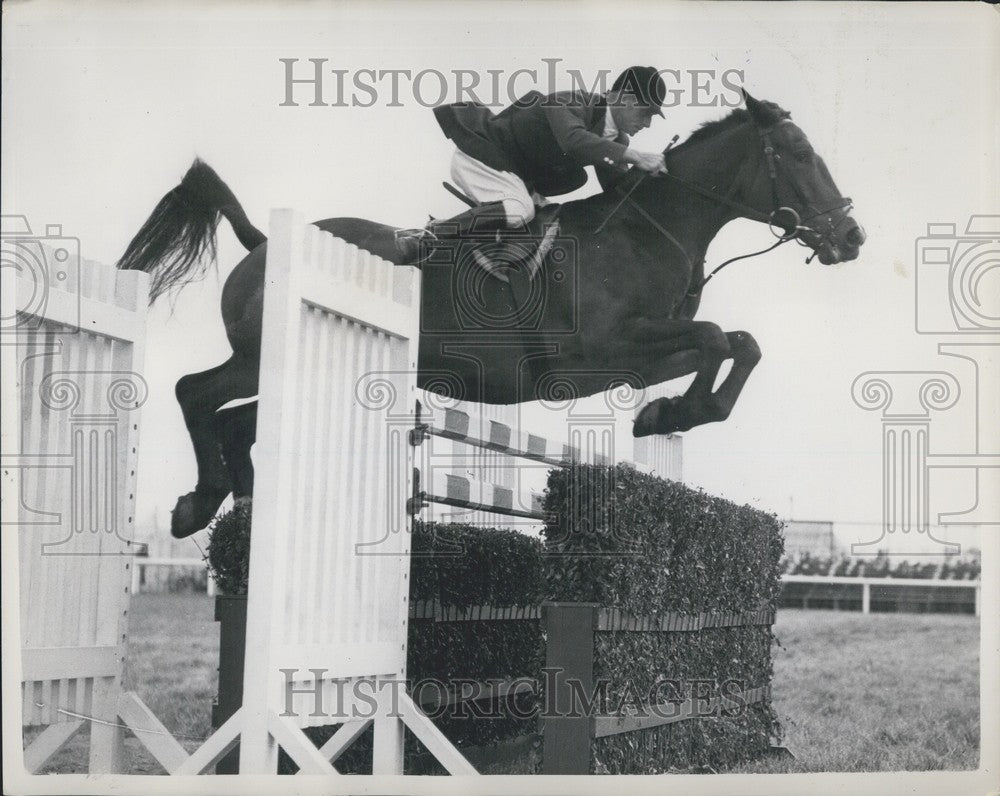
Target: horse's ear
pixel 757 112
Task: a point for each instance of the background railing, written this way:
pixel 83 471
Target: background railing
pixel 881 593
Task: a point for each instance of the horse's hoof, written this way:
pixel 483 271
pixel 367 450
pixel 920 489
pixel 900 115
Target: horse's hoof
pixel 193 512
pixel 645 422
pixel 656 417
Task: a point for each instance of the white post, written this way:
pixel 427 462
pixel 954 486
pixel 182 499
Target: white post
pixel 387 743
pixel 279 336
pixel 866 598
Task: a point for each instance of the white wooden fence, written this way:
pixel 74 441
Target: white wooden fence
pixel 75 348
pixel 866 585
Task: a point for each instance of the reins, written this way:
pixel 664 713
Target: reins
pixel 791 231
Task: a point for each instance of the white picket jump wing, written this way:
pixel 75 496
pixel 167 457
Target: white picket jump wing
pixel 329 556
pixel 77 355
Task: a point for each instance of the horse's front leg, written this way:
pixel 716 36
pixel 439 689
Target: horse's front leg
pixel 745 354
pixel 236 430
pixel 699 348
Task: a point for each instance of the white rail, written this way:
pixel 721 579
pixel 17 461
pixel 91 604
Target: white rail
pixel 867 582
pixel 139 564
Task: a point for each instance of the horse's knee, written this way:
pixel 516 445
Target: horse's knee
pixel 711 340
pixel 745 347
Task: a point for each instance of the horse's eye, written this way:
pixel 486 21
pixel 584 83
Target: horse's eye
pixel 803 157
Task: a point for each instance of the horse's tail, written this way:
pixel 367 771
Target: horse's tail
pixel 173 243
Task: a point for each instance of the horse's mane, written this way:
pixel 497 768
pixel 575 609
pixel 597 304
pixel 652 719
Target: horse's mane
pixel 772 114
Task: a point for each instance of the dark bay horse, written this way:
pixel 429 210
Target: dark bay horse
pixel 606 309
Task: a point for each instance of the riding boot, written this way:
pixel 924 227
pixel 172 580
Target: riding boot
pixel 486 217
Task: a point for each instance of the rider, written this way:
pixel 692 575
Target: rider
pixel 538 147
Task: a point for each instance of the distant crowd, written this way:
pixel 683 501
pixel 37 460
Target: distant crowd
pixel 881 566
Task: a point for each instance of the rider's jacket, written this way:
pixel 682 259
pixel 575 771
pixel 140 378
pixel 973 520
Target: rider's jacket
pixel 546 140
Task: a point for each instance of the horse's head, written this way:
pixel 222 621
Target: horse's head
pixel 794 190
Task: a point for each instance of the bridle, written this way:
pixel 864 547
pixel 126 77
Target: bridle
pixel 798 227
pixel 781 217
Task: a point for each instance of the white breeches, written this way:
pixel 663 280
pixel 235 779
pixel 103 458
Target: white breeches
pixel 484 184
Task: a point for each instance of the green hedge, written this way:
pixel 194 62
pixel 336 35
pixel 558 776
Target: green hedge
pixel 652 546
pixel 228 554
pixel 646 546
pixel 469 566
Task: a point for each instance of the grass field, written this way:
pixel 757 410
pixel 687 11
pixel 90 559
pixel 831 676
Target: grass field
pixel 882 692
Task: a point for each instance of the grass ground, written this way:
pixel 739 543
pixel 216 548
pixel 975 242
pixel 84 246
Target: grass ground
pixel 883 692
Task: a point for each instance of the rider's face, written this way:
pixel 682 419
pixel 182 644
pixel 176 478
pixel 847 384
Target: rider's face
pixel 630 114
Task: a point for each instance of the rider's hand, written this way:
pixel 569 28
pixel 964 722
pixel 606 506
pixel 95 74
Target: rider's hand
pixel 652 162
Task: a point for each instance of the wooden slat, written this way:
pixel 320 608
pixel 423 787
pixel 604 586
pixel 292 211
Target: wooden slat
pixel 448 489
pixel 107 736
pixel 351 301
pixel 612 619
pixel 432 609
pixel 388 735
pixel 341 740
pixel 464 427
pixel 56 663
pixel 298 747
pixel 150 732
pixel 77 312
pixel 132 291
pixel 217 746
pixel 608 620
pixel 671 712
pixel 433 739
pixel 848 580
pixel 47 743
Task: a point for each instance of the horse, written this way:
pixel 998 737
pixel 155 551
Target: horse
pixel 608 307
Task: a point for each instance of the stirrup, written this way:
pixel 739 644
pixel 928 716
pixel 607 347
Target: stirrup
pixel 415 233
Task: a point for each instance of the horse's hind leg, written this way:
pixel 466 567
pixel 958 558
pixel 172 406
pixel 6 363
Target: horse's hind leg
pixel 236 430
pixel 200 395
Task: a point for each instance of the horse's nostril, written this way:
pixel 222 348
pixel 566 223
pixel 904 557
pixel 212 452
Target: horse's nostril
pixel 856 236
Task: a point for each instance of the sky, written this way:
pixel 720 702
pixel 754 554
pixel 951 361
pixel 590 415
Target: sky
pixel 106 105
